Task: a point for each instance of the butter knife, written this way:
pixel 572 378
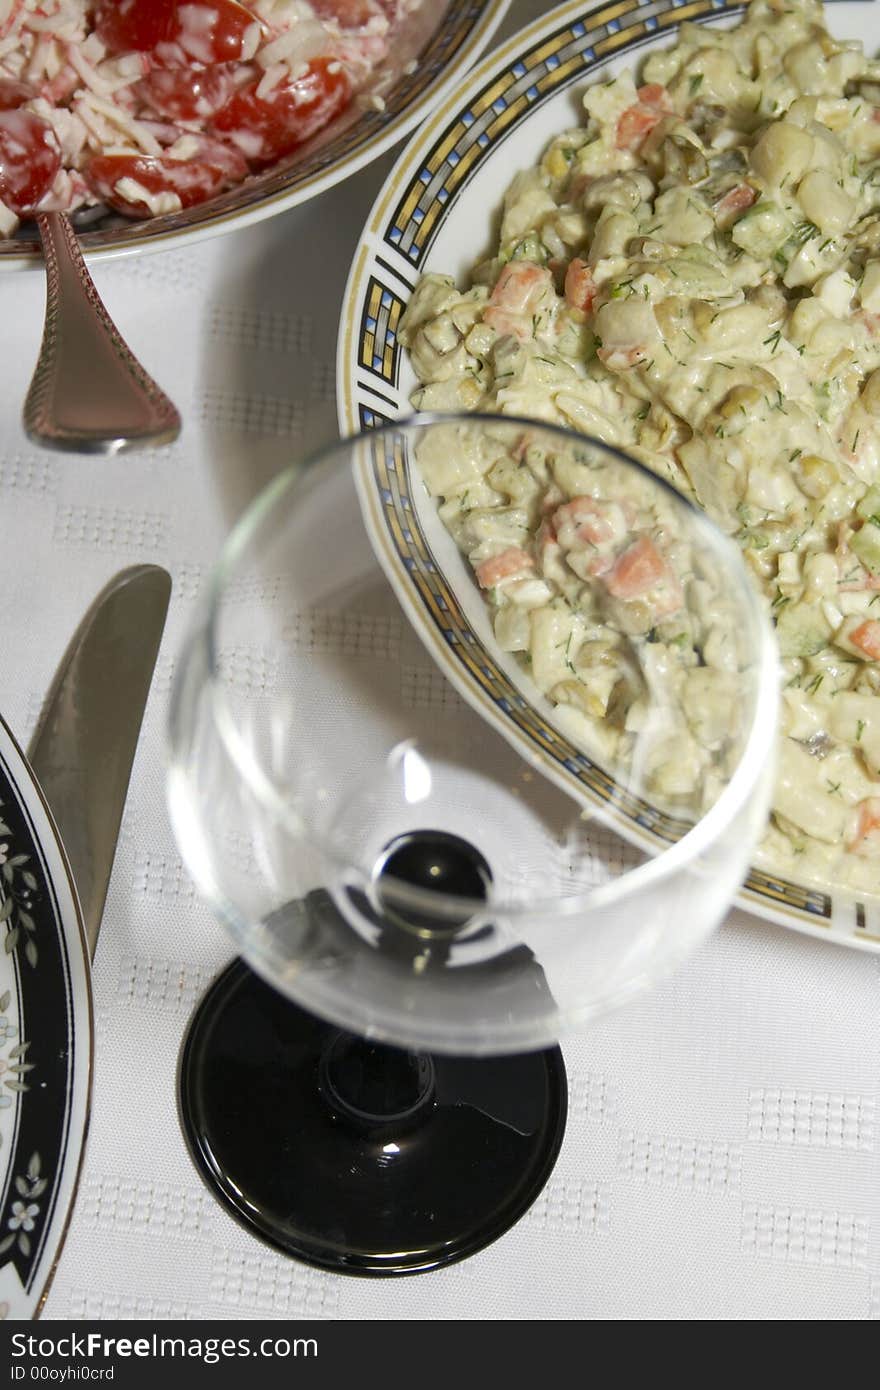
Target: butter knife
pixel 84 745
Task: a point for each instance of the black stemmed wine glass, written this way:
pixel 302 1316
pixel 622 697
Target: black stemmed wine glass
pixel 432 871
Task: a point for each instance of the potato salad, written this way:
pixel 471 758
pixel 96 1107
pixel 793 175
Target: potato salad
pixel 693 275
pixel 612 598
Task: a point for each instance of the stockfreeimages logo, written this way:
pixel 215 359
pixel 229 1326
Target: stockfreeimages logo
pixel 29 1352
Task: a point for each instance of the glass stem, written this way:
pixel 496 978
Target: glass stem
pixel 373 1085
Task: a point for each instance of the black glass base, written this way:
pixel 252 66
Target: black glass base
pixel 356 1157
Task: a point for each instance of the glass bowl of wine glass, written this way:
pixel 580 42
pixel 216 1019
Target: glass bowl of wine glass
pixel 471 741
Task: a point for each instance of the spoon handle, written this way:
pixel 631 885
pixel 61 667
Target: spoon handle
pixel 88 394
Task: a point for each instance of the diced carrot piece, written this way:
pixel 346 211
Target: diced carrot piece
pixel 516 293
pixel 637 570
pixel 517 284
pixel 580 287
pixel 639 120
pixel 867 638
pixel 510 564
pixel 588 518
pixel 635 124
pixel 866 839
pixel 655 94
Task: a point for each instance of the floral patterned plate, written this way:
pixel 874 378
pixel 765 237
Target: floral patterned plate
pixel 45 1039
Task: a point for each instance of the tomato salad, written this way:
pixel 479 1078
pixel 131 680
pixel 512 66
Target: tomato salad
pixel 150 106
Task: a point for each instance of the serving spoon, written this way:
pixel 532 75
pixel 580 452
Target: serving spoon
pixel 88 394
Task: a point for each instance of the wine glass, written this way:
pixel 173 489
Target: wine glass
pixel 446 823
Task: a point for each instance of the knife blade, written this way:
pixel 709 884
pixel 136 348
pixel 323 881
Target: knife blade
pixel 83 748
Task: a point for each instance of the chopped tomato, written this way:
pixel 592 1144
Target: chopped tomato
pixel 137 25
pixel 867 638
pixel 14 93
pixel 269 127
pixel 187 94
pixel 178 32
pixel 225 158
pixel 29 160
pixel 350 14
pixel 580 287
pixel 866 839
pixel 637 570
pixel 637 121
pixel 734 203
pixel 512 563
pixel 212 168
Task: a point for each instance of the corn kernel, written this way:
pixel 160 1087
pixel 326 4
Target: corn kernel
pixel 815 475
pixel 739 399
pixel 557 164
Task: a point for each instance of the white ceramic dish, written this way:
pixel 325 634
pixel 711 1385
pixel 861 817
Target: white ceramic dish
pixel 46 1040
pixel 431 56
pixel 433 213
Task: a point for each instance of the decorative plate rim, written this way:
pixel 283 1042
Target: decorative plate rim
pixel 74 975
pixel 391 254
pixel 365 150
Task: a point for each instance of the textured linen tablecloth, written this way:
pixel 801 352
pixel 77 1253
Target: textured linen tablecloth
pixel 720 1158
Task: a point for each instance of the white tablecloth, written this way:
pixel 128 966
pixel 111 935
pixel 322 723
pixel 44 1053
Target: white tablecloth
pixel 720 1159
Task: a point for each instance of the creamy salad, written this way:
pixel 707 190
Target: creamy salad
pixel 693 274
pixel 150 106
pixel 608 593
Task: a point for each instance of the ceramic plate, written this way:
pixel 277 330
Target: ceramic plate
pixel 45 1040
pixel 432 53
pixel 434 214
